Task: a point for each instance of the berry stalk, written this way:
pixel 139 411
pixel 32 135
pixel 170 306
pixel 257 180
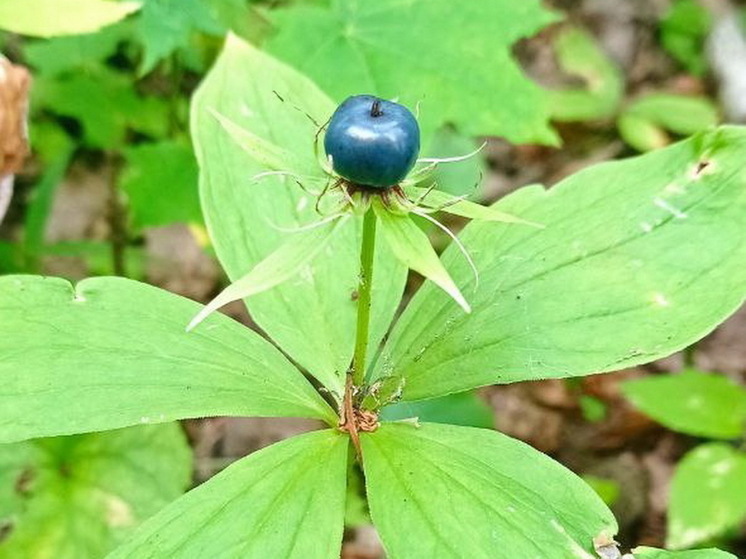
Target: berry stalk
pixel 367 251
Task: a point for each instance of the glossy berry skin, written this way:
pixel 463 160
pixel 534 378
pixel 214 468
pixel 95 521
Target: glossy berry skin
pixel 372 142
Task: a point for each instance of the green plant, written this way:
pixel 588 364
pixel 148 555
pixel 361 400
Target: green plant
pixel 708 490
pixel 684 30
pixel 644 123
pixel 635 260
pixel 78 497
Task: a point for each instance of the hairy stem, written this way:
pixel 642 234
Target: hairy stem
pixel 367 250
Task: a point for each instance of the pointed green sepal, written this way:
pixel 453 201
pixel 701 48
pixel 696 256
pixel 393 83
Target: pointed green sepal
pixel 287 261
pixel 455 205
pixel 412 248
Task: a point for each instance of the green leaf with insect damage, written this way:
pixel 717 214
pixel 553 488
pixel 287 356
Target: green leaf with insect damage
pixel 453 492
pixel 413 249
pixel 695 403
pixel 287 500
pixel 79 497
pixel 708 495
pixel 48 18
pixel 70 353
pixel 267 104
pixel 638 259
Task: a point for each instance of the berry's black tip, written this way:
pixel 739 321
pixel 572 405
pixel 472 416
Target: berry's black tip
pixel 375 109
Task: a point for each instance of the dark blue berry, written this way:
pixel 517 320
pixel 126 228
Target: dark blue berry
pixel 372 142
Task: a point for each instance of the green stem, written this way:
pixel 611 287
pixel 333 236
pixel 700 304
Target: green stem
pixel 367 250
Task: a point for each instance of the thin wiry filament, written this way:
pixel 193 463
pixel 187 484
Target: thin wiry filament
pixel 309 226
pixel 456 159
pixel 455 239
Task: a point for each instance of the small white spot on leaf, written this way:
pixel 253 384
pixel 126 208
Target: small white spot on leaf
pixel 662 204
pixel 245 110
pixel 661 300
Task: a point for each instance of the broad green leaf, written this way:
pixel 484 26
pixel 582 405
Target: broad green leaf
pixel 436 199
pixel 708 495
pixel 644 124
pixel 160 181
pixel 412 248
pixel 454 492
pixel 112 352
pixel 48 18
pixel 167 25
pixel 287 261
pixel 651 553
pixel 578 54
pixel 78 497
pixel 453 58
pixel 312 317
pixel 465 409
pixel 287 500
pixel 695 403
pixel 638 259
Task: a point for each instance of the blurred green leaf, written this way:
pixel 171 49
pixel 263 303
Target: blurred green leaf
pixel 82 53
pixel 11 261
pixel 312 317
pixel 638 259
pixel 608 489
pixel 285 501
pixel 708 495
pixel 454 492
pixel 592 408
pixel 98 257
pixel 69 352
pixel 684 30
pixel 641 133
pixel 692 402
pixel 47 18
pixel 165 26
pixel 78 497
pixel 356 506
pixel 160 181
pixel 40 203
pixel 452 57
pixel 465 408
pixel 578 54
pixel 105 103
pixel 643 124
